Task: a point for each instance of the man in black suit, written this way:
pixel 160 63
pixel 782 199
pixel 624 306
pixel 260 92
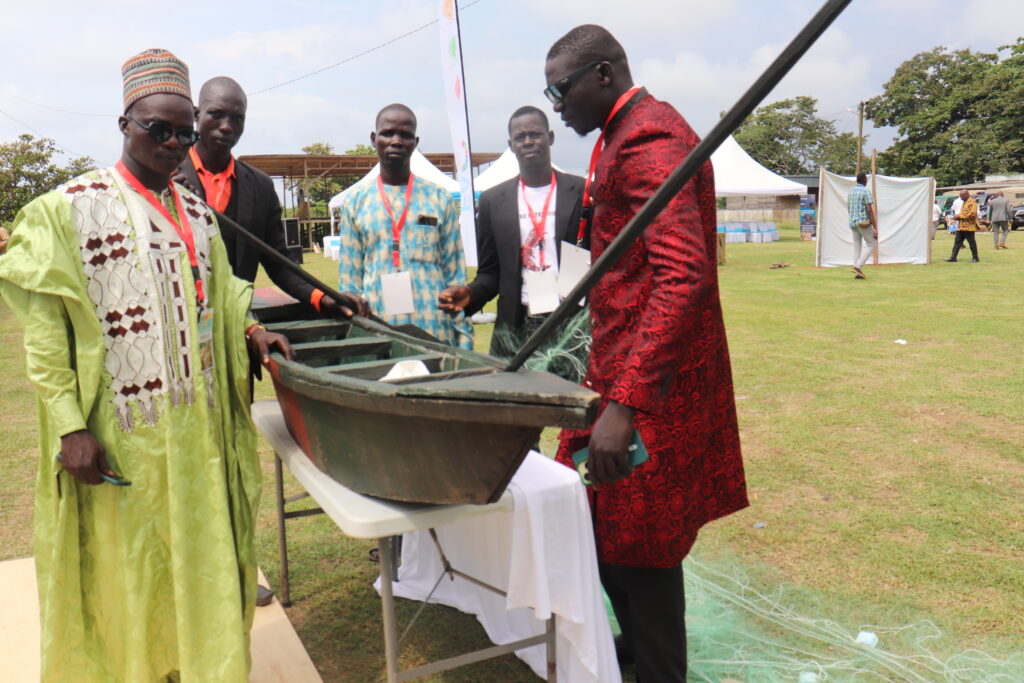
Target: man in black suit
pixel 509 222
pixel 247 196
pixel 244 194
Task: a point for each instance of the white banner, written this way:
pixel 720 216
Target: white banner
pixel 458 121
pixel 904 208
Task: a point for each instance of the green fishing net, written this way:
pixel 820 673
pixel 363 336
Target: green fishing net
pixel 564 353
pixel 741 629
pixel 737 631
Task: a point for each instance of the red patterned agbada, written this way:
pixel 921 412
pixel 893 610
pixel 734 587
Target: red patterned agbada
pixel 660 347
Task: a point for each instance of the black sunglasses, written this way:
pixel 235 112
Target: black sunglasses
pixel 161 131
pixel 556 91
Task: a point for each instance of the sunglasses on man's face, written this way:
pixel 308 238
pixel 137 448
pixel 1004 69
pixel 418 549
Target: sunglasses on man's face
pixel 161 131
pixel 557 90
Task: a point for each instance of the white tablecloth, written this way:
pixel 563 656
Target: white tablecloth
pixel 542 554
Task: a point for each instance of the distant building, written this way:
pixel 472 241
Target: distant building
pixel 768 208
pixel 1015 178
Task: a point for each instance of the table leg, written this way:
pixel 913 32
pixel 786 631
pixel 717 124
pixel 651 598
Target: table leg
pixel 387 601
pixel 552 666
pixel 397 556
pixel 282 539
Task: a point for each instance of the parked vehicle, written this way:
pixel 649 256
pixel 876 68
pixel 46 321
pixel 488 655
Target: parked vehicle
pixel 1017 216
pixel 945 210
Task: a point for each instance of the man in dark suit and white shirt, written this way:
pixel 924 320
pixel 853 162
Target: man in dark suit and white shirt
pixel 243 193
pixel 510 220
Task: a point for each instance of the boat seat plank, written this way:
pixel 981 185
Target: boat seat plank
pixel 326 329
pixel 343 347
pixel 523 386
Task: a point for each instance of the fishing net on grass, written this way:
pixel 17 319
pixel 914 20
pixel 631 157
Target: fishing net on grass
pixel 736 632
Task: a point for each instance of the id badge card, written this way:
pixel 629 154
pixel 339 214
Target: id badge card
pixel 206 338
pixel 636 452
pixel 397 291
pixel 574 264
pixel 541 290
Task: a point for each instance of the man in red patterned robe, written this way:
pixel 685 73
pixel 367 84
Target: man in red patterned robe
pixel 659 357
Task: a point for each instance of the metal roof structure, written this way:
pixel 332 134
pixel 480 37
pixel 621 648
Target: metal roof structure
pixel 331 165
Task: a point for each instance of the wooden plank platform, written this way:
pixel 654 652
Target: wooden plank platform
pixel 277 652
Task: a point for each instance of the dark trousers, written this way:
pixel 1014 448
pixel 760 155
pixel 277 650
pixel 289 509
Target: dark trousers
pixel 650 608
pixel 962 235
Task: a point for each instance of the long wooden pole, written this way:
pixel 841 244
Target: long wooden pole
pixel 368 322
pixel 683 173
pixel 860 135
pixel 874 197
pixel 281 259
pixel 932 229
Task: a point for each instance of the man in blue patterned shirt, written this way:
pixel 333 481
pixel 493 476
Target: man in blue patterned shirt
pixel 400 241
pixel 864 224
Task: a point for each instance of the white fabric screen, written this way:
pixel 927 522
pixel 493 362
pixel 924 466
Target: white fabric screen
pixel 904 208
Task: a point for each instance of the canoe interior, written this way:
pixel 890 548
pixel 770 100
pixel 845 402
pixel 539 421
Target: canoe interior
pixel 456 435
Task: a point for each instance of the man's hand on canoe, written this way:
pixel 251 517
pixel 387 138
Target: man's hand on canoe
pixel 352 304
pixel 263 342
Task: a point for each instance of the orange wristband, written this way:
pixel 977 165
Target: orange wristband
pixel 314 298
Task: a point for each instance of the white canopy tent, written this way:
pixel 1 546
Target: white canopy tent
pixel 421 168
pixel 904 219
pixel 498 172
pixel 737 174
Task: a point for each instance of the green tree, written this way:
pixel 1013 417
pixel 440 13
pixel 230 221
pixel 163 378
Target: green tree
pixel 319 191
pixel 790 138
pixel 27 170
pixel 362 150
pixel 957 113
pixel 358 150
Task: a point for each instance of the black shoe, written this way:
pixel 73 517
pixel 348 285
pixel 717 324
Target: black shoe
pixel 975 260
pixel 264 596
pixel 950 260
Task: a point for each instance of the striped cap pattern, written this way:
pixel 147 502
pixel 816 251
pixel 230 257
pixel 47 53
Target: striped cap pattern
pixel 154 71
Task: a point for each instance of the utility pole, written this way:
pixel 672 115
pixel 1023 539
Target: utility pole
pixel 860 134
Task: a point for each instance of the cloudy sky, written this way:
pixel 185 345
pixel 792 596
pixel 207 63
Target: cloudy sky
pixel 61 60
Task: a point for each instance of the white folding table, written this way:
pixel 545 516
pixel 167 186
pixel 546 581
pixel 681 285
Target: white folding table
pixel 360 516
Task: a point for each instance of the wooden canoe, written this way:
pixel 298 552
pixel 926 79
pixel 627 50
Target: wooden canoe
pixel 456 435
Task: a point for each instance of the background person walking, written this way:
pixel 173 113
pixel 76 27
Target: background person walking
pixel 967 225
pixel 999 215
pixel 863 222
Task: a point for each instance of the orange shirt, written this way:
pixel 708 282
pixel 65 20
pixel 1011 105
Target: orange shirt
pixel 216 185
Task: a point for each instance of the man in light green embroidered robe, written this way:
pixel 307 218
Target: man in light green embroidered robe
pixel 136 342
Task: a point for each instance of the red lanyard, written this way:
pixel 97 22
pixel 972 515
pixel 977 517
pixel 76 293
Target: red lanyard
pixel 538 224
pixel 587 200
pixel 396 228
pixel 183 228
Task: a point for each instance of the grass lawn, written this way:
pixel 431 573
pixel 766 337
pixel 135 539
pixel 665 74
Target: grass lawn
pixel 888 476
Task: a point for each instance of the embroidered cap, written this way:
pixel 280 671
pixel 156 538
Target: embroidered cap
pixel 154 71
